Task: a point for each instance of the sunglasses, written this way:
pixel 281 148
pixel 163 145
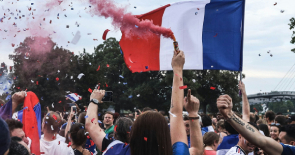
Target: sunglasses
pixel 276 124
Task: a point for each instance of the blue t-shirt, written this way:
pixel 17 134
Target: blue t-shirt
pixel 189 141
pixel 288 149
pixel 180 148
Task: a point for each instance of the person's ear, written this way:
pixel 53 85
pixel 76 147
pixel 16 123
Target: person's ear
pixel 292 143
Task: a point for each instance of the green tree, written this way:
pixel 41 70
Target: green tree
pixel 292 26
pixel 44 73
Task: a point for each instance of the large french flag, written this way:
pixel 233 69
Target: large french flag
pixel 31 120
pixel 210 32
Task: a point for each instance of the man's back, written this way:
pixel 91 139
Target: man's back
pixel 55 147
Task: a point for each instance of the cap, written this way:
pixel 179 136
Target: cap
pixel 4 136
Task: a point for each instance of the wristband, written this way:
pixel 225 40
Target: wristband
pixel 193 118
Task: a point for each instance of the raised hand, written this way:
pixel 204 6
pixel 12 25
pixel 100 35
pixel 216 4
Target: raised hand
pixel 97 94
pixel 242 87
pixel 191 104
pixel 225 105
pixel 178 60
pixel 18 97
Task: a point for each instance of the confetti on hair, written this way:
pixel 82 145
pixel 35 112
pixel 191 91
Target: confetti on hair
pixel 70 143
pixel 47 117
pixel 179 77
pixel 86 133
pixel 59 101
pixel 88 137
pixel 115 129
pixel 145 139
pixel 92 120
pixel 57 79
pixel 172 114
pixel 52 127
pixel 108 65
pixel 183 87
pixel 54 117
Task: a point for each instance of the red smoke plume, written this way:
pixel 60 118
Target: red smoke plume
pixel 126 21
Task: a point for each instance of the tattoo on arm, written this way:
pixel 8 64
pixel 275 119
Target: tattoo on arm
pixel 238 120
pixel 250 128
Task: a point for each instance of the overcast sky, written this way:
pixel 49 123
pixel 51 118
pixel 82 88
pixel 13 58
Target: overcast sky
pixel 266 28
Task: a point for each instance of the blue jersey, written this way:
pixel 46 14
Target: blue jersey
pixel 288 149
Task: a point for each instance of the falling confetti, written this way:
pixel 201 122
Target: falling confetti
pixel 212 88
pixel 80 76
pixel 90 90
pixel 104 36
pixel 183 87
pixel 145 138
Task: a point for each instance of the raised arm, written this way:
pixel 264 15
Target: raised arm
pixel 192 105
pixel 270 146
pixel 246 106
pixel 69 123
pixel 91 124
pixel 177 131
pixel 17 98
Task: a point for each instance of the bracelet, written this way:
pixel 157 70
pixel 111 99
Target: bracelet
pixel 193 118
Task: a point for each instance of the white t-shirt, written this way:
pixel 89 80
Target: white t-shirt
pixel 236 150
pixel 55 147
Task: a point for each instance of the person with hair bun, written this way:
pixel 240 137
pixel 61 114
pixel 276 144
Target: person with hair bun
pixel 211 141
pixel 78 139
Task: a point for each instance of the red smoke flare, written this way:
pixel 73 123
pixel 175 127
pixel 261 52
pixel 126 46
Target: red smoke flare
pixel 126 21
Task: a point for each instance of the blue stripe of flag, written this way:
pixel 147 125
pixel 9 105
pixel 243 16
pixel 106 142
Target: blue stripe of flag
pixel 223 35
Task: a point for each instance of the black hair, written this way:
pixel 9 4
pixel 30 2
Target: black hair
pixel 290 132
pixel 281 119
pixel 16 148
pixel 13 124
pixel 229 128
pixel 264 128
pixel 270 115
pixel 77 133
pixel 206 120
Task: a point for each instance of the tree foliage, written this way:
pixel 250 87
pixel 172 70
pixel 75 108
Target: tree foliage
pixel 106 67
pixel 292 26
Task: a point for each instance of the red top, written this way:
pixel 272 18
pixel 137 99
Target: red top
pixel 209 152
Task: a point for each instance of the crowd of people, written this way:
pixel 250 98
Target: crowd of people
pixel 150 132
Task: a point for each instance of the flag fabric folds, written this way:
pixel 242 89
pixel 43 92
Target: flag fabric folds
pixel 74 97
pixel 210 32
pixel 30 121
